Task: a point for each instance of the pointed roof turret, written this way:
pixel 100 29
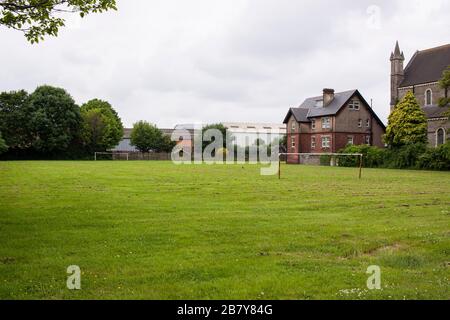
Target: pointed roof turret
pixel 397 49
pixel 397 54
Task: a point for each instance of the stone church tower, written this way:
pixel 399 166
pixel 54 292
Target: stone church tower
pixel 421 76
pixel 397 73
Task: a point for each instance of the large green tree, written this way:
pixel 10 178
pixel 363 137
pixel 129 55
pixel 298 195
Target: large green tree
pixel 15 119
pixel 38 18
pixel 407 123
pixel 102 127
pixel 3 146
pixel 147 137
pixel 55 122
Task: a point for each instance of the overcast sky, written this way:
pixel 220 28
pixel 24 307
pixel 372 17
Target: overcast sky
pixel 171 62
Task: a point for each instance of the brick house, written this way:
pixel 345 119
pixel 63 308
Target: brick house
pixel 330 122
pixel 421 76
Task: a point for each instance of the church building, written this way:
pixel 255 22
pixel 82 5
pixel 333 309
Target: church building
pixel 421 76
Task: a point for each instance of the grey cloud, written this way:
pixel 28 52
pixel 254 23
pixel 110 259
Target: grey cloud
pixel 169 61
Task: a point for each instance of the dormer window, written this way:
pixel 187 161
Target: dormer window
pixel 428 97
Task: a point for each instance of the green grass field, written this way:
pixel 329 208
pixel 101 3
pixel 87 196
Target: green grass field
pixel 154 230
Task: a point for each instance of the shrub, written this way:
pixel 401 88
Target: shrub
pixel 373 157
pixel 325 160
pixel 406 156
pixel 436 158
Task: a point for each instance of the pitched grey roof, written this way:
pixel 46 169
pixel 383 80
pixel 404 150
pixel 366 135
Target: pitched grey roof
pixel 301 115
pixel 435 111
pixel 426 66
pixel 315 106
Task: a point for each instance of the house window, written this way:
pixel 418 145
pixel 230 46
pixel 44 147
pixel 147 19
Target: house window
pixel 326 142
pixel 367 140
pixel 293 142
pixel 440 136
pixel 326 123
pixel 313 124
pixel 350 140
pixel 293 126
pixel 313 142
pixel 353 105
pixel 428 97
pixel 368 123
pixel 359 123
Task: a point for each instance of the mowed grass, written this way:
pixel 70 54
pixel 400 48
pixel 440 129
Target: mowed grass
pixel 155 230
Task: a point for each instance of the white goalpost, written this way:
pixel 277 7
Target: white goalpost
pixel 112 154
pixel 332 155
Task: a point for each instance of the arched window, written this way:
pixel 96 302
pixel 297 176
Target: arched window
pixel 440 136
pixel 428 97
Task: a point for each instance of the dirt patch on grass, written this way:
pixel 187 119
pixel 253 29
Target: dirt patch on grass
pixel 7 260
pixel 388 248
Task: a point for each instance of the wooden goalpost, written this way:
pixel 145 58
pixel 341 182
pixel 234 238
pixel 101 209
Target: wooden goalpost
pixel 360 155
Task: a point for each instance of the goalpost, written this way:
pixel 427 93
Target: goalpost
pixel 111 153
pixel 332 155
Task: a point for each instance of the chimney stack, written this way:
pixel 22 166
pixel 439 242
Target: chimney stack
pixel 328 96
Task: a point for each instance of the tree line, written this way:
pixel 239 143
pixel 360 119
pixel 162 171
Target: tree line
pixel 48 124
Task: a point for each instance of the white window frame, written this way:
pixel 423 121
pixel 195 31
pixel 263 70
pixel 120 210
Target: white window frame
pixel 352 140
pixel 313 142
pixel 292 142
pixel 293 126
pixel 328 140
pixel 367 140
pixel 313 124
pixel 326 123
pixel 444 136
pixel 367 123
pixel 360 122
pixel 426 97
pixel 354 105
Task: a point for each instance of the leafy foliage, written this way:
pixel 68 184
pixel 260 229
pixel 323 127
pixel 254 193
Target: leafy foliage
pixel 373 157
pixel 404 157
pixel 217 126
pixel 407 123
pixel 147 137
pixel 38 18
pixel 55 121
pixel 436 158
pixel 3 146
pixel 444 83
pixel 102 127
pixel 15 109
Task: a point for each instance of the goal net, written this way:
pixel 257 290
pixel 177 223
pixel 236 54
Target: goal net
pixel 323 159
